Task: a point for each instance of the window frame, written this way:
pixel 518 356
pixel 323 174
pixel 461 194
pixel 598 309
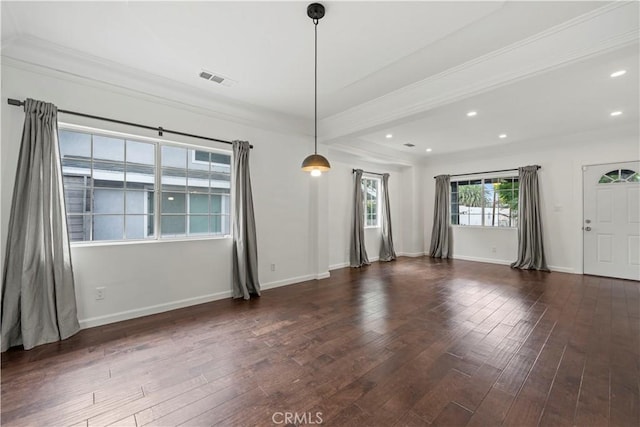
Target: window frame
pixel 483 179
pixel 378 182
pixel 632 178
pixel 157 192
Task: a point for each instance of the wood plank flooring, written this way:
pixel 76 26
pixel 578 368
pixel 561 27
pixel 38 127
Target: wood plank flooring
pixel 413 342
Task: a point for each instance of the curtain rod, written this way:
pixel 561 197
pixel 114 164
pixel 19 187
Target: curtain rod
pixel 370 173
pixel 479 173
pixel 159 129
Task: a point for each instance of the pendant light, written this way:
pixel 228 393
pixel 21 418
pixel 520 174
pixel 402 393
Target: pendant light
pixel 315 163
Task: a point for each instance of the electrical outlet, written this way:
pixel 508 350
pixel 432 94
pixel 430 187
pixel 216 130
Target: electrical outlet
pixel 100 293
pixel 273 267
pixel 493 250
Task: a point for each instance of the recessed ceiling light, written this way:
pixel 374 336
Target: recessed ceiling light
pixel 619 73
pixel 428 150
pixel 616 113
pixel 502 136
pixel 472 113
pixel 388 136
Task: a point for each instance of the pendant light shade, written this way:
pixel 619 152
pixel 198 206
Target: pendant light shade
pixel 315 163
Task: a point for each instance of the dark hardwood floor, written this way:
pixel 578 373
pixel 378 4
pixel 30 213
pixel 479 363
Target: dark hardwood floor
pixel 408 343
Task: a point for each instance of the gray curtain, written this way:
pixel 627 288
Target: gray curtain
pixel 530 247
pixel 358 251
pixel 245 246
pixel 387 253
pixel 441 232
pixel 38 294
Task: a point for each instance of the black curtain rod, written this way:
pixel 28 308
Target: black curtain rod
pixel 370 173
pixel 485 172
pixel 158 129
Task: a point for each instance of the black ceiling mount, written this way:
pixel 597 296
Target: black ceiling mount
pixel 315 11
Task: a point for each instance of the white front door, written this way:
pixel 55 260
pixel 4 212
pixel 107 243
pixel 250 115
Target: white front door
pixel 611 218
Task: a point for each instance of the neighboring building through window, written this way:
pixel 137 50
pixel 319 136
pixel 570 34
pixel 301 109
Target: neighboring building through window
pixel 489 202
pixel 371 192
pixel 114 187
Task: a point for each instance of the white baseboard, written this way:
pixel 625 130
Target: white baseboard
pixel 487 260
pixel 173 305
pixel 508 262
pixel 347 264
pixel 340 265
pixel 411 254
pixel 293 280
pixel 152 309
pixel 563 269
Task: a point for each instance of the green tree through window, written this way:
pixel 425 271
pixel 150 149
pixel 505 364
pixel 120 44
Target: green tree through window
pixel 490 202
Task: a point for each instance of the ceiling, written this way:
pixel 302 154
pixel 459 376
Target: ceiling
pixel 577 97
pixel 412 69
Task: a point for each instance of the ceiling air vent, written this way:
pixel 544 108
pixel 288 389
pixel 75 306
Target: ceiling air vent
pixel 408 144
pixel 217 78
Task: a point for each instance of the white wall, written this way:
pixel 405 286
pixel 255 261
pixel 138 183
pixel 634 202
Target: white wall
pixel 293 210
pixel 341 209
pixel 413 211
pixel 141 278
pixel 560 187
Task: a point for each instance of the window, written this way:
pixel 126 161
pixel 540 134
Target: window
pixel 619 175
pixel 115 186
pixel 489 202
pixel 370 188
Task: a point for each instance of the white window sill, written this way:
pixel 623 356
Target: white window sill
pixel 485 227
pixel 146 242
pixel 372 226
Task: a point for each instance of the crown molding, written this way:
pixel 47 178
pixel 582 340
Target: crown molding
pixel 46 58
pixel 608 28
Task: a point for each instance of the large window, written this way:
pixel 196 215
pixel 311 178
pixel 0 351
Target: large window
pixel 371 191
pixel 488 202
pixel 114 188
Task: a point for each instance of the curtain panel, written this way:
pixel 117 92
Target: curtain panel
pixel 530 242
pixel 245 246
pixel 387 252
pixel 358 251
pixel 38 290
pixel 441 231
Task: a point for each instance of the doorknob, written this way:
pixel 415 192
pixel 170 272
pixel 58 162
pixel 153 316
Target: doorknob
pixel 587 228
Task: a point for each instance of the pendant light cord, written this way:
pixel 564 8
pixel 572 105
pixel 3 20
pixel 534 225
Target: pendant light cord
pixel 315 78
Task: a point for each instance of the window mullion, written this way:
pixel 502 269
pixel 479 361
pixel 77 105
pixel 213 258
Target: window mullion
pixel 157 192
pixel 210 199
pixel 484 199
pixel 124 194
pixel 91 215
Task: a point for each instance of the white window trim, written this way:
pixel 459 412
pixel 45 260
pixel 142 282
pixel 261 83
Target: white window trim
pixel 482 177
pixel 378 204
pixel 158 142
pixel 148 241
